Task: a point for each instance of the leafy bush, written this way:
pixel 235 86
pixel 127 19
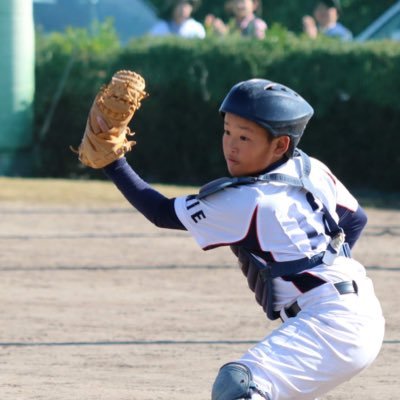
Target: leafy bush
pixel 70 67
pixel 353 88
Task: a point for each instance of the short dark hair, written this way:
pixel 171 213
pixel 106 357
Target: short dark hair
pixel 332 3
pixel 169 5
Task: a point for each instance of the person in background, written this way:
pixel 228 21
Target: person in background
pixel 178 21
pixel 326 14
pixel 244 21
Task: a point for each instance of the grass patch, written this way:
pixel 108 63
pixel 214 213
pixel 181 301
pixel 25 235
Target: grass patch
pixel 66 191
pixel 371 199
pixel 102 192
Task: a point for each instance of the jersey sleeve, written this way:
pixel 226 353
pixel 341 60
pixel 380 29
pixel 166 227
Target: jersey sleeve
pixel 352 217
pixel 344 198
pixel 352 223
pixel 220 219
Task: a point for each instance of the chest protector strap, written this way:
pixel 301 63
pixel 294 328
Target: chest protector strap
pixel 260 274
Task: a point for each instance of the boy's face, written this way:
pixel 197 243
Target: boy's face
pixel 182 11
pixel 243 8
pixel 324 15
pixel 247 147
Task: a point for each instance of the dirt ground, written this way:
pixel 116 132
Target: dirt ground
pixel 96 303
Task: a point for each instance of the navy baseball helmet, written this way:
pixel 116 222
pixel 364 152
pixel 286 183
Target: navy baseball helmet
pixel 279 109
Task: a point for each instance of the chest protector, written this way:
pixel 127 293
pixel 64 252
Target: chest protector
pixel 259 273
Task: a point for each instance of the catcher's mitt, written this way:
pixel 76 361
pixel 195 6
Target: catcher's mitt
pixel 105 138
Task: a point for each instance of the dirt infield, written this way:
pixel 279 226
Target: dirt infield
pixel 96 303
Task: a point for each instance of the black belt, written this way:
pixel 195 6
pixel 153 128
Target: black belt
pixel 345 287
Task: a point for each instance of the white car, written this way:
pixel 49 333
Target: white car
pixel 387 26
pixel 132 18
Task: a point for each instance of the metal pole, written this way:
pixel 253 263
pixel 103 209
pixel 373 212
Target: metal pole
pixel 17 82
pixel 94 17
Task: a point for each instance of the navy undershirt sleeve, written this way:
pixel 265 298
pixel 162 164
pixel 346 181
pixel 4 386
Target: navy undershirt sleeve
pixel 157 208
pixel 352 223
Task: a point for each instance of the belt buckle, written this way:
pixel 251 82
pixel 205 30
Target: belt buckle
pixel 292 310
pixel 344 287
pixel 346 250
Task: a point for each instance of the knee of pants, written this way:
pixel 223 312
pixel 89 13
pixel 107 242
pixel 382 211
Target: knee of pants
pixel 234 382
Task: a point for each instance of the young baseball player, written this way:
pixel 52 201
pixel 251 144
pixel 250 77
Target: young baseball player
pixel 292 224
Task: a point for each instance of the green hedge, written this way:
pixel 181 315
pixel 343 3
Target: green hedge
pixel 353 88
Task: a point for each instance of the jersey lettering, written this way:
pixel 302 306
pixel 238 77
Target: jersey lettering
pixel 189 206
pixel 198 216
pixel 192 202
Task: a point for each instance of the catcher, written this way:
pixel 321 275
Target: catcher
pixel 290 222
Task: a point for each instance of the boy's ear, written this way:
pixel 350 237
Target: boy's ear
pixel 282 144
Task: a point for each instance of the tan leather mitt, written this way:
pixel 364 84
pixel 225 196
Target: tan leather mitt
pixel 105 138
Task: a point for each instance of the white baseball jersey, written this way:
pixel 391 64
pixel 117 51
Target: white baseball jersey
pixel 334 336
pixel 271 217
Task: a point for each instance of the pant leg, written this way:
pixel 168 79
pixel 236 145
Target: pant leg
pixel 331 340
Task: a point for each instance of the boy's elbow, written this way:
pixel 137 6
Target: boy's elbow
pixel 363 217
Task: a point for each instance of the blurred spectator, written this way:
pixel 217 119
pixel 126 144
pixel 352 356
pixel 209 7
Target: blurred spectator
pixel 326 14
pixel 244 21
pixel 178 20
